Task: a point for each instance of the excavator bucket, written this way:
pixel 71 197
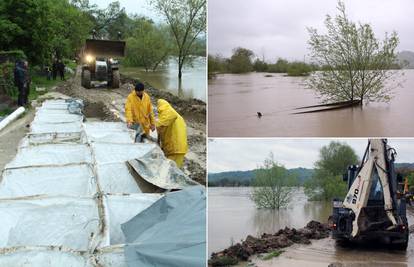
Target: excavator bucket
pixel 104 48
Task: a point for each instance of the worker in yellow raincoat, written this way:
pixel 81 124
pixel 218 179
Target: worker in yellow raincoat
pixel 138 111
pixel 172 132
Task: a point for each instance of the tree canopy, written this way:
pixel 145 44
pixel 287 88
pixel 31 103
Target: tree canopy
pixel 356 64
pixel 327 183
pixel 273 185
pixel 187 22
pixel 149 45
pixel 48 29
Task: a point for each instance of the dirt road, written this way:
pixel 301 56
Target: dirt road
pixel 11 136
pixel 108 105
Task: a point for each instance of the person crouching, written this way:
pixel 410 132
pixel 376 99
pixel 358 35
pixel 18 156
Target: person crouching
pixel 172 132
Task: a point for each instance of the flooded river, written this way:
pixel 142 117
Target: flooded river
pixel 165 77
pixel 234 100
pixel 232 216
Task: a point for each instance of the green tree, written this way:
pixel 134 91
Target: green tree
pixel 358 65
pixel 148 47
pixel 280 66
pixel 69 27
pixel 187 21
pixel 327 183
pixel 241 60
pixel 259 65
pixel 42 28
pixel 273 185
pixel 216 63
pixel 25 25
pixel 298 69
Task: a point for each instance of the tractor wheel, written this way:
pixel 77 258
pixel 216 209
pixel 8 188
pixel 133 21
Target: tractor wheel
pixel 115 79
pixel 86 79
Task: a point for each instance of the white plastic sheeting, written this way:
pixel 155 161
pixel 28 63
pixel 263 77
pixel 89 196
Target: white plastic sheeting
pixel 120 209
pixel 116 178
pixel 156 169
pixel 108 132
pixel 49 221
pixel 51 154
pixel 57 206
pixel 72 180
pixel 53 123
pixel 43 257
pixel 113 153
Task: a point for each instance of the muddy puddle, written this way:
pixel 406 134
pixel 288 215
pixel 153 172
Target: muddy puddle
pixel 235 99
pixel 232 217
pixel 193 83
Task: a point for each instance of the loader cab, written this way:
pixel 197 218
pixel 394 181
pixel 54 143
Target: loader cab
pixel 100 62
pixel 374 223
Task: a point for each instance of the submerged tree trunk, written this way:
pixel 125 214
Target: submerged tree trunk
pixel 180 72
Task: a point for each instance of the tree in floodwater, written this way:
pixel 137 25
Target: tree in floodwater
pixel 241 60
pixel 273 185
pixel 187 21
pixel 357 65
pixel 326 182
pixel 149 45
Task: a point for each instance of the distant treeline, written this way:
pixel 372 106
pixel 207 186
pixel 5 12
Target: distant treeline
pixel 243 60
pixel 245 178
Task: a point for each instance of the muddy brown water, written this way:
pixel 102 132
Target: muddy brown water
pixel 193 83
pixel 234 100
pixel 232 216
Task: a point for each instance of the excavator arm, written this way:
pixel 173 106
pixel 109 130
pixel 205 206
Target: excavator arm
pixel 375 166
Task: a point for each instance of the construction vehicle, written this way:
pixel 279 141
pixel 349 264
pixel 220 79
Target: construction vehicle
pixel 374 208
pixel 100 62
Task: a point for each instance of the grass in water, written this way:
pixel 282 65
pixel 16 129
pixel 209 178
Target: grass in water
pixel 272 255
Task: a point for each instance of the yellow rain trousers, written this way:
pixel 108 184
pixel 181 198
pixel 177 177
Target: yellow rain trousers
pixel 139 111
pixel 172 131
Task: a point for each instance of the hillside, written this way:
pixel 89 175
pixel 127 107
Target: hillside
pixel 408 57
pixel 244 178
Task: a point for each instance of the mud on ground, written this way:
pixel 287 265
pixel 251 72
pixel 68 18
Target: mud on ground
pixel 108 105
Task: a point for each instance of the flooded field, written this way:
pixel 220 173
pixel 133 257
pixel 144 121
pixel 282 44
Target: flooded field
pixel 235 99
pixel 193 80
pixel 232 216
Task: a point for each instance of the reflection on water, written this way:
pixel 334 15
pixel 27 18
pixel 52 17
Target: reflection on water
pixel 233 216
pixel 234 100
pixel 192 85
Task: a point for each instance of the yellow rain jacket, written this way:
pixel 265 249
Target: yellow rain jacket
pixel 172 131
pixel 139 111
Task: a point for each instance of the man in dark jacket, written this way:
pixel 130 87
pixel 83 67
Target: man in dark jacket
pixel 22 81
pixel 61 69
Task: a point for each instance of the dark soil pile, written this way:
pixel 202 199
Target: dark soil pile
pixel 190 108
pixel 270 242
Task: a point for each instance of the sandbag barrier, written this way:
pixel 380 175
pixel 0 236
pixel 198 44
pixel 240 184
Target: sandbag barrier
pixel 67 191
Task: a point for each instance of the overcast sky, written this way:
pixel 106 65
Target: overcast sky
pixel 277 28
pixel 247 154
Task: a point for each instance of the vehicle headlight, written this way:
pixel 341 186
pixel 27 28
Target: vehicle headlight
pixel 89 58
pixel 111 60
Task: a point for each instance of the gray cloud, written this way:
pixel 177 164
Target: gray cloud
pixel 246 154
pixel 277 28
